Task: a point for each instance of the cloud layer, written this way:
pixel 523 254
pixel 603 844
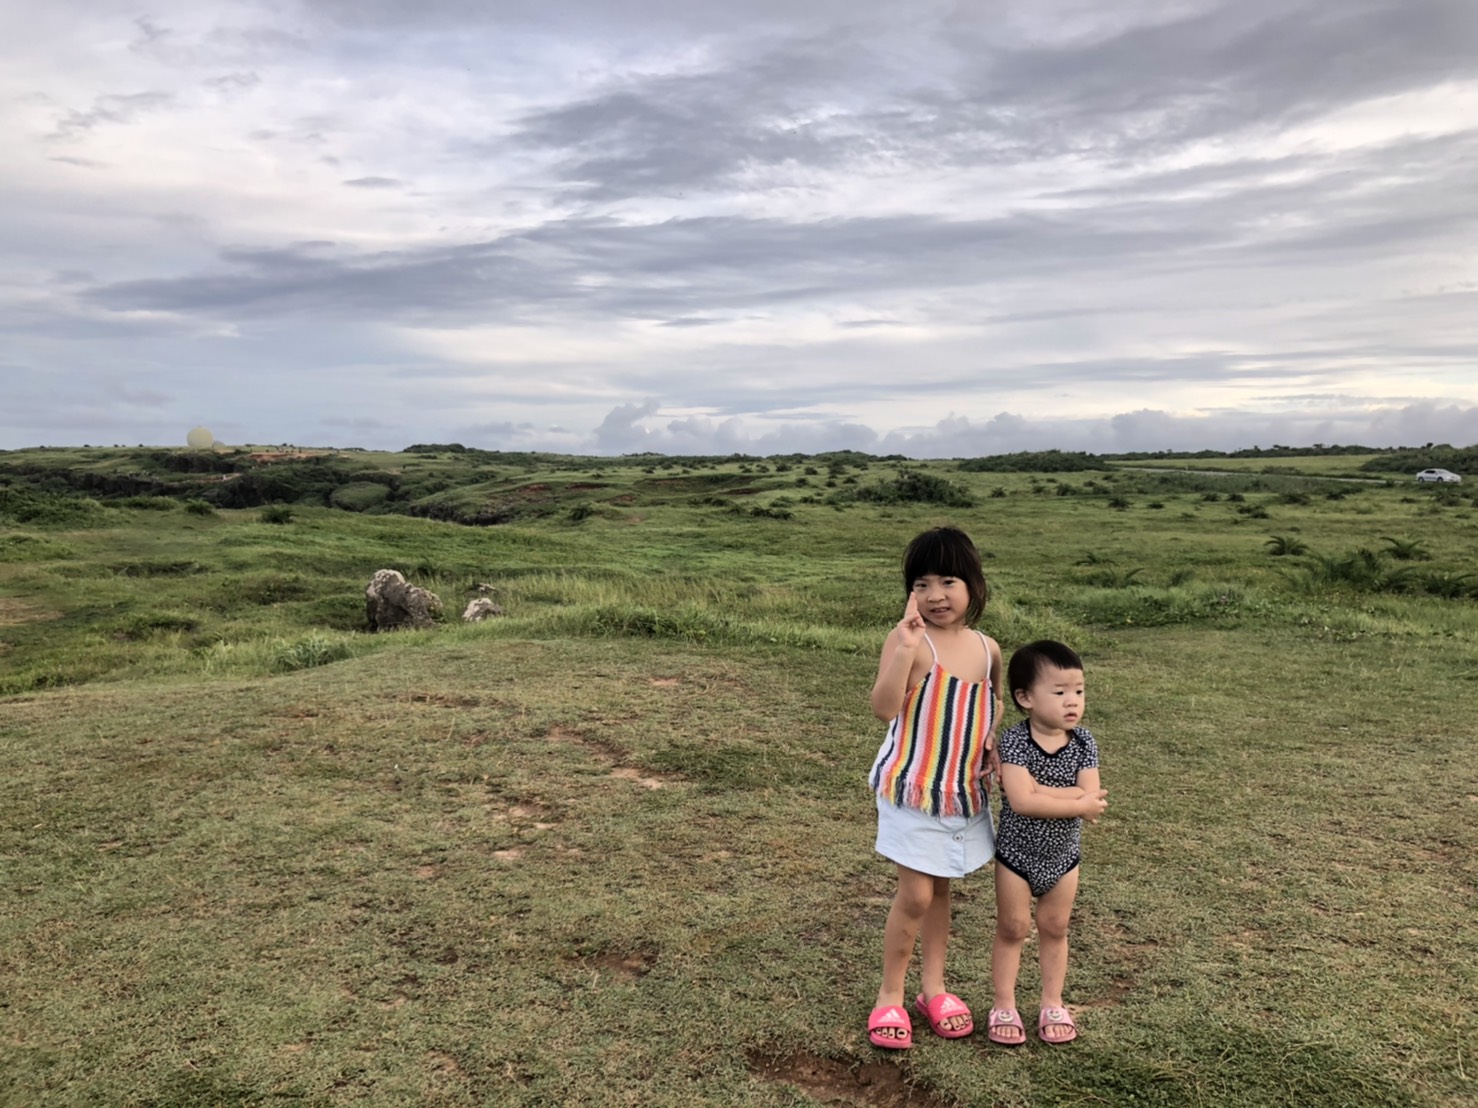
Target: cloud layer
pixel 929 229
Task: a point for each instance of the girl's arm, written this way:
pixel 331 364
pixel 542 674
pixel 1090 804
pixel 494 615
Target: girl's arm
pixel 895 668
pixel 992 767
pixel 1031 800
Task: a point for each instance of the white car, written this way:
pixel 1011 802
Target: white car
pixel 1438 477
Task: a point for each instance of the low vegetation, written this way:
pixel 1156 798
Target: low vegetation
pixel 612 847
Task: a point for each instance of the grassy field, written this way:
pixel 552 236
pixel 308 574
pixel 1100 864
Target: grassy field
pixel 615 847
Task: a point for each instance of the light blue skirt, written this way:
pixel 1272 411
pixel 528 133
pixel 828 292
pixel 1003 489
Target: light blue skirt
pixel 941 846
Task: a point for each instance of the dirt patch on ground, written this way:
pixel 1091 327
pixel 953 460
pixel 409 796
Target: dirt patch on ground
pixel 440 700
pixel 629 965
pixel 14 612
pixel 870 1085
pixel 608 756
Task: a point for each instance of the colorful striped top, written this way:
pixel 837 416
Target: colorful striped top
pixel 935 748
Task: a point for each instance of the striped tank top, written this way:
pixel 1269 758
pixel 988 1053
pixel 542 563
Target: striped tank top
pixel 935 748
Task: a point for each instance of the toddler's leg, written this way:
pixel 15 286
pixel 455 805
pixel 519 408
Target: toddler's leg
pixel 1013 927
pixel 1054 910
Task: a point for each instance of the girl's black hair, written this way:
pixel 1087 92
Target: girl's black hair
pixel 947 552
pixel 1029 661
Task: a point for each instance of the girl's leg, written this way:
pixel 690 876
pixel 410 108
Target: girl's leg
pixel 1054 910
pixel 935 935
pixel 910 905
pixel 935 943
pixel 1013 927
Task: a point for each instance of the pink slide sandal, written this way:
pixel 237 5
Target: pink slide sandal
pixel 1059 1018
pixel 1005 1017
pixel 942 1007
pixel 890 1017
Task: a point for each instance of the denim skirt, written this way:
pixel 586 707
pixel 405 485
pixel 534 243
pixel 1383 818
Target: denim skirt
pixel 941 846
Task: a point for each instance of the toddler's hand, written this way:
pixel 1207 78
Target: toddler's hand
pixel 1094 804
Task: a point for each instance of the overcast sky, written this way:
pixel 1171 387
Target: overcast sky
pixel 604 226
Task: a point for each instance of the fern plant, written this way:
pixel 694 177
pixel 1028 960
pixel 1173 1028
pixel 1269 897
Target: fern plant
pixel 1280 546
pixel 1407 550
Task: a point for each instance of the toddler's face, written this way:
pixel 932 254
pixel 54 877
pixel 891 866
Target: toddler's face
pixel 1056 700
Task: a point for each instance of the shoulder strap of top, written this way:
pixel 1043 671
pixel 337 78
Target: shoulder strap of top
pixel 932 651
pixel 985 642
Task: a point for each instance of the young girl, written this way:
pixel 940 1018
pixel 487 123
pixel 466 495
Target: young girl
pixel 1049 785
pixel 938 683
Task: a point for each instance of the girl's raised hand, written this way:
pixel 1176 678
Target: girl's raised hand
pixel 911 626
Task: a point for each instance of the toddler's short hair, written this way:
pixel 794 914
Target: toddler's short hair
pixel 948 552
pixel 1029 661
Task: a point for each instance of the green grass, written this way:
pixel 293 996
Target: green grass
pixel 614 847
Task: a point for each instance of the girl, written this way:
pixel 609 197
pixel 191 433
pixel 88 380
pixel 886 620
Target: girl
pixel 938 683
pixel 1049 785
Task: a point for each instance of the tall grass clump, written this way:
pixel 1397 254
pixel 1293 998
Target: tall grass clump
pixel 1362 570
pixel 307 651
pixel 1145 606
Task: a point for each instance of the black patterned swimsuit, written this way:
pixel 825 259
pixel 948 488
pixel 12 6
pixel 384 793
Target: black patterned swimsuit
pixel 1042 851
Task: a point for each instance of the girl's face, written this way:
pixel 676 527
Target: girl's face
pixel 942 601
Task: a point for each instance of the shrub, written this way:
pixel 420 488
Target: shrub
pixel 1283 545
pixel 199 508
pixel 914 487
pixel 27 506
pixel 276 513
pixel 1042 461
pixel 149 503
pixel 359 496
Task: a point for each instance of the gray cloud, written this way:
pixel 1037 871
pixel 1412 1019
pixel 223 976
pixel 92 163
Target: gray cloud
pixel 116 110
pixel 931 227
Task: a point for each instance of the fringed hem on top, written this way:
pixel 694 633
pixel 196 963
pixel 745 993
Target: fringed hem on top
pixel 931 801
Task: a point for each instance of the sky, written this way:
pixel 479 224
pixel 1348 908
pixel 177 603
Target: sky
pixel 612 226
